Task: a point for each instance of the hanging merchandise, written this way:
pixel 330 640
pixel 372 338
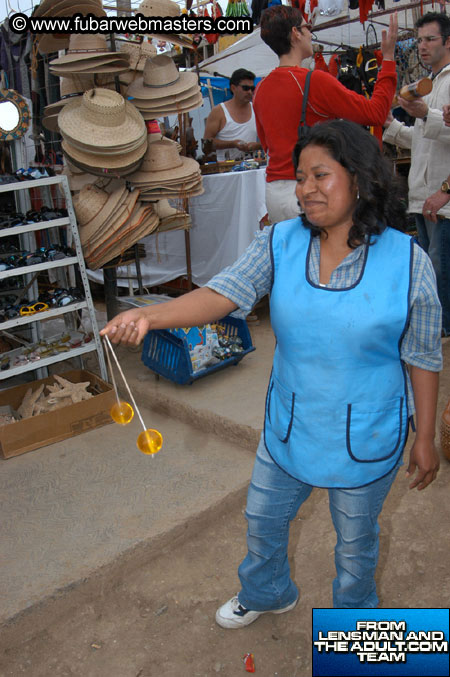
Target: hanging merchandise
pixel 330 7
pixel 138 53
pixel 102 133
pixel 367 65
pixel 89 53
pixel 237 8
pixel 162 89
pixel 164 173
pixel 347 72
pixel 216 13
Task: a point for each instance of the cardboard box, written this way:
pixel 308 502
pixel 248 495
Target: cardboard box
pixel 39 431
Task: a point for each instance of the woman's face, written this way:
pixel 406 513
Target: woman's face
pixel 325 189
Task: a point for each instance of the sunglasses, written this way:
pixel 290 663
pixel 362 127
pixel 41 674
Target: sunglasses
pixel 248 88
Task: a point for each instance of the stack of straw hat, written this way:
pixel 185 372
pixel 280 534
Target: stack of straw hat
pixel 171 218
pixel 71 87
pixel 110 223
pixel 163 90
pixel 164 173
pixel 53 42
pixel 163 8
pixel 89 53
pixel 138 53
pixel 102 133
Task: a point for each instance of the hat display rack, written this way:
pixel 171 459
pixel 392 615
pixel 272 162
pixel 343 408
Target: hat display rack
pixel 125 180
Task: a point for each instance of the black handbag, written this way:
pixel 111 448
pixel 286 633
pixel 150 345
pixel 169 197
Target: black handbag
pixel 302 128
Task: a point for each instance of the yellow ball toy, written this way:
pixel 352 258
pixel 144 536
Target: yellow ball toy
pixel 149 441
pixel 121 412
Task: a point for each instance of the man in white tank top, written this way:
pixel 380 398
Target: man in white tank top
pixel 231 125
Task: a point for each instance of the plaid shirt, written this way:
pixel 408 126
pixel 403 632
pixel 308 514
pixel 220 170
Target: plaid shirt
pixel 250 278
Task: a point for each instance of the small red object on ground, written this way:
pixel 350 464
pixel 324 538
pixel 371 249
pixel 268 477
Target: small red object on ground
pixel 249 662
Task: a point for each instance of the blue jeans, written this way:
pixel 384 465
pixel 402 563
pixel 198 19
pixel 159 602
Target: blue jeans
pixel 434 238
pixel 274 498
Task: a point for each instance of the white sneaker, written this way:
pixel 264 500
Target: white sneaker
pixel 233 615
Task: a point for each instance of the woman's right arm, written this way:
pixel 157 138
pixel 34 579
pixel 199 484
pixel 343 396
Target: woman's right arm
pixel 195 308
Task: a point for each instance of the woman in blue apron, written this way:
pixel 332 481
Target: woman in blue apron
pixel 356 317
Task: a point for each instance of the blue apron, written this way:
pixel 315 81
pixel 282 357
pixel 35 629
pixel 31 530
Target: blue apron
pixel 336 405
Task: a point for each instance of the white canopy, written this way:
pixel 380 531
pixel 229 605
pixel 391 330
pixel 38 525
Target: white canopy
pixel 252 53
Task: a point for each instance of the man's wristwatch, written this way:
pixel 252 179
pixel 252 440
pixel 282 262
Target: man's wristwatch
pixel 445 187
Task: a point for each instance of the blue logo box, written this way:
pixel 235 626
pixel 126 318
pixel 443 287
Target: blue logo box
pixel 360 642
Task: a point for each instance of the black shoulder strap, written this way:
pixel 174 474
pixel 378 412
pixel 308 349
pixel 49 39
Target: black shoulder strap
pixel 305 99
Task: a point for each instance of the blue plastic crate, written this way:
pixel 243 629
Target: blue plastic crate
pixel 168 355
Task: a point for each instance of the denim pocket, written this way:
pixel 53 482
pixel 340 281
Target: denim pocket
pixel 374 431
pixel 280 410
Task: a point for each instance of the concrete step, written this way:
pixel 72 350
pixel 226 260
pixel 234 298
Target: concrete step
pixel 73 508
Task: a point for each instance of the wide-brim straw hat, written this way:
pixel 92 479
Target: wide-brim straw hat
pixel 61 7
pixel 73 85
pixel 106 150
pixel 112 233
pixel 162 161
pixel 99 164
pixel 164 99
pixel 99 66
pixel 123 228
pixel 50 122
pixel 159 8
pixel 161 78
pixel 86 47
pixel 186 107
pixel 93 205
pixel 138 53
pixel 48 43
pixel 102 117
pixel 146 225
pixel 182 192
pixel 103 172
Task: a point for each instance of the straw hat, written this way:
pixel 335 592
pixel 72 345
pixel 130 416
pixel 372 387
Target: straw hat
pixel 88 52
pixel 159 8
pixel 162 161
pixel 54 42
pixel 101 117
pixel 182 107
pixel 102 164
pixel 138 53
pixel 74 85
pixel 94 205
pixel 161 78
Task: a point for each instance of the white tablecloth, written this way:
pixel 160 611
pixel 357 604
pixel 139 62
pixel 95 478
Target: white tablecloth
pixel 224 221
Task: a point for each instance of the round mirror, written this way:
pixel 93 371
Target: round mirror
pixel 14 115
pixel 9 116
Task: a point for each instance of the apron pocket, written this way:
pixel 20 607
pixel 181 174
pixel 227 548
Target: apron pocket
pixel 280 410
pixel 374 432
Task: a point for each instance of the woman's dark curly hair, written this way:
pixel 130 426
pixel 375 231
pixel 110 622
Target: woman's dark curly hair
pixel 381 200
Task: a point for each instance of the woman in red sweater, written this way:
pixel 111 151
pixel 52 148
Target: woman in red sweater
pixel 277 101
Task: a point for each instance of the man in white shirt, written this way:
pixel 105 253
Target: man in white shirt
pixel 231 125
pixel 429 141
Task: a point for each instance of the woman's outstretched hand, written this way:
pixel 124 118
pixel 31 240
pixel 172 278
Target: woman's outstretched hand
pixel 129 327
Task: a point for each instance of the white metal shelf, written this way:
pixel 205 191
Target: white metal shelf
pixel 44 315
pixel 37 267
pixel 46 361
pixel 34 183
pixel 29 227
pixel 34 320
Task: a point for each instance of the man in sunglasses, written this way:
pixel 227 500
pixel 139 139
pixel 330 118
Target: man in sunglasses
pixel 278 100
pixel 231 125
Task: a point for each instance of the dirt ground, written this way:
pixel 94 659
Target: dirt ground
pixel 155 617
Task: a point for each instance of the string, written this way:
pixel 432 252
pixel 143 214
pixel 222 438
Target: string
pixel 108 343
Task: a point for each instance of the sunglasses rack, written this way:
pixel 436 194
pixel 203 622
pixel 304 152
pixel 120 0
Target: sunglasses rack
pixel 43 351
